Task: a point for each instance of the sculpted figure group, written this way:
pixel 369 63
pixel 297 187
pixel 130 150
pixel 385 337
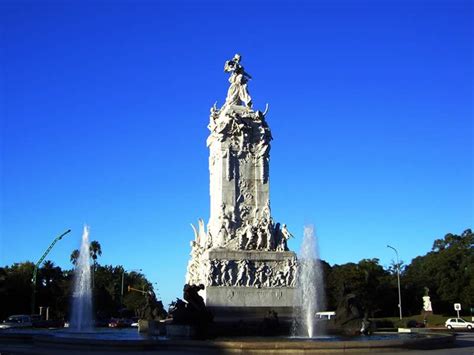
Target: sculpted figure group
pixel 247 273
pixel 227 125
pixel 250 233
pixel 236 119
pixel 264 235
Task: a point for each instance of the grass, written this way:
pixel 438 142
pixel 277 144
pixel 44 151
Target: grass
pixel 434 320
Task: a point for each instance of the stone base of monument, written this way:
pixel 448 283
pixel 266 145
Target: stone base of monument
pixel 181 331
pixel 426 313
pixel 255 302
pixel 248 299
pixel 151 327
pixel 251 297
pixel 251 321
pixel 250 313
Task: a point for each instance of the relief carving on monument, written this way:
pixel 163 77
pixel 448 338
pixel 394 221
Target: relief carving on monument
pixel 246 273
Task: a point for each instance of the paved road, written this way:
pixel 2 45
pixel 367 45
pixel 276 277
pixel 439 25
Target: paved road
pixel 464 345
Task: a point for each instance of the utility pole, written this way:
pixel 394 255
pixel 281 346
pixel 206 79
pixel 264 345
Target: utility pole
pixel 35 271
pixel 398 279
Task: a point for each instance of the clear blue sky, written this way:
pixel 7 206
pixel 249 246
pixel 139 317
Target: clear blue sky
pixel 104 108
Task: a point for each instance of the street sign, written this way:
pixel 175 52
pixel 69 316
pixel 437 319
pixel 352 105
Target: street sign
pixel 457 308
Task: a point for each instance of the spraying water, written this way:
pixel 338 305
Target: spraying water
pixel 81 315
pixel 310 282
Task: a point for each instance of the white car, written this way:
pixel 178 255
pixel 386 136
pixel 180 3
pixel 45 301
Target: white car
pixel 457 323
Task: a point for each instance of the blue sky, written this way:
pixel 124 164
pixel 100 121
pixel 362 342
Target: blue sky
pixel 104 108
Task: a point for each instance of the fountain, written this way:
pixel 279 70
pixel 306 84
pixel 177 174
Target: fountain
pixel 242 259
pixel 310 289
pixel 81 314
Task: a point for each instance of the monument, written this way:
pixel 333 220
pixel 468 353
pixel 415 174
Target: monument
pixel 242 257
pixel 427 308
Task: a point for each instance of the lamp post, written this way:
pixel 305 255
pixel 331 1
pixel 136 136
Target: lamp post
pixel 398 279
pixel 123 277
pixel 37 265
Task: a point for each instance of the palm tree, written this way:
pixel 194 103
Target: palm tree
pixel 74 256
pixel 95 250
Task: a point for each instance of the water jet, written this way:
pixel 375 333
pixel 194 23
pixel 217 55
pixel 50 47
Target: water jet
pixel 81 304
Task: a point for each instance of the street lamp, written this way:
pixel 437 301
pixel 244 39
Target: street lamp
pixel 123 276
pixel 37 265
pixel 398 279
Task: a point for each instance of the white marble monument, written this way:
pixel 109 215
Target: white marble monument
pixel 242 258
pixel 427 308
pixel 427 304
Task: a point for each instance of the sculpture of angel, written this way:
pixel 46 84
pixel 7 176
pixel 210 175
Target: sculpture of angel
pixel 238 92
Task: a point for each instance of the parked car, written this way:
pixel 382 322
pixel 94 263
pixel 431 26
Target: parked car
pixel 98 323
pixel 120 323
pixel 135 322
pixel 17 321
pixel 459 323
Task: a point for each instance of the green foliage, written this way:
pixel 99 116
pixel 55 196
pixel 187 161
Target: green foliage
pixel 15 289
pixel 74 256
pixel 433 320
pixel 447 271
pixel 108 291
pixel 368 280
pixel 95 251
pixel 52 284
pixel 54 288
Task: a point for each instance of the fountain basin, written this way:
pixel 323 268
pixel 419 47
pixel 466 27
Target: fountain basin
pixel 130 339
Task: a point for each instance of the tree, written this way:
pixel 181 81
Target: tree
pixel 49 273
pixel 95 250
pixel 368 281
pixel 49 289
pixel 16 289
pixel 447 271
pixel 74 256
pixel 54 288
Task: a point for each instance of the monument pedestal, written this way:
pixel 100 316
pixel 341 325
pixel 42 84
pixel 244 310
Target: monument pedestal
pixel 248 297
pixel 248 304
pixel 248 284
